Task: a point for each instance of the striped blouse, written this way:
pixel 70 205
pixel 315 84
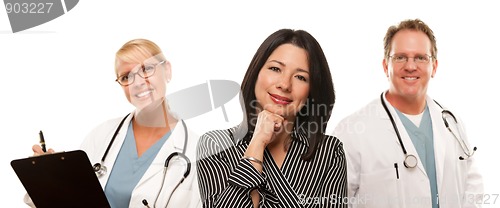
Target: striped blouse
pixel 226 180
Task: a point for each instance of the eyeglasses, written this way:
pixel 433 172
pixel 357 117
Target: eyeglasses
pixel 146 71
pixel 419 59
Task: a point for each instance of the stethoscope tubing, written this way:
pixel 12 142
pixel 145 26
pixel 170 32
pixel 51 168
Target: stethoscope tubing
pixel 458 137
pixel 100 168
pixel 113 138
pixel 393 124
pixel 410 159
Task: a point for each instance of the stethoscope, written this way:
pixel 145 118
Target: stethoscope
pixel 459 139
pixel 100 169
pixel 410 160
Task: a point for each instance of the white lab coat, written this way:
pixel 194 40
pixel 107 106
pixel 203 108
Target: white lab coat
pixel 186 195
pixel 372 148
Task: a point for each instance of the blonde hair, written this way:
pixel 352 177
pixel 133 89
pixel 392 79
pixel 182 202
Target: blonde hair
pixel 136 51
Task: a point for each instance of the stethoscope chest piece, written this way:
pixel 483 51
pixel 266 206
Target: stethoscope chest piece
pixel 410 161
pixel 99 169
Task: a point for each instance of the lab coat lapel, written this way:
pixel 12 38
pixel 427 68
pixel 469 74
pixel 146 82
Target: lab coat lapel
pixel 440 138
pixel 175 143
pixel 405 138
pixel 115 148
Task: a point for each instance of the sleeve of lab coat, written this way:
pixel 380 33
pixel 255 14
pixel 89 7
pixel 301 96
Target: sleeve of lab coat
pixel 352 155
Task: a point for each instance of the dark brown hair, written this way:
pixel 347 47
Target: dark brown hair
pixel 321 93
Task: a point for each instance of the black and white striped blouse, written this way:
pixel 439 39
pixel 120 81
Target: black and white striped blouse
pixel 226 181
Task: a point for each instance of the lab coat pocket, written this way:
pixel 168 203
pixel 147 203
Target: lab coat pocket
pixel 182 198
pixel 381 188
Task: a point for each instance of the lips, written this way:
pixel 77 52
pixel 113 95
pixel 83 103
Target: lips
pixel 410 78
pixel 144 94
pixel 280 100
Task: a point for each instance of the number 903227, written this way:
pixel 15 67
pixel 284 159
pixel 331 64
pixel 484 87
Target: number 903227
pixel 28 8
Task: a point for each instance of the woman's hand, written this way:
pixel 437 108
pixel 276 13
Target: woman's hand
pixel 265 130
pixel 267 125
pixel 37 150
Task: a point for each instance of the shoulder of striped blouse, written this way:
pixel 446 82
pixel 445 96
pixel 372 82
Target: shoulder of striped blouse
pixel 222 137
pixel 332 143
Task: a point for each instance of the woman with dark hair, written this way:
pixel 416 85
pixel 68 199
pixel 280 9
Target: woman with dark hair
pixel 279 156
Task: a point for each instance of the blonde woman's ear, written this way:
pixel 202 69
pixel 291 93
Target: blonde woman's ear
pixel 168 71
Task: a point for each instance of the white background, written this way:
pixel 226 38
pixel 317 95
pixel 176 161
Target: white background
pixel 59 77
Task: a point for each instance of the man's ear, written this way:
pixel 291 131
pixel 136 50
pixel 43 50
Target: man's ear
pixel 385 66
pixel 434 68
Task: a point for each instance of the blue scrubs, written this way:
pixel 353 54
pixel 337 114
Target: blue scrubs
pixel 129 169
pixel 423 140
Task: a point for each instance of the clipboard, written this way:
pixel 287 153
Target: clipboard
pixel 64 179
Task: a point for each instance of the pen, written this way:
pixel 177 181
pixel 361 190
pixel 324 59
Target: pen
pixel 42 141
pixel 397 171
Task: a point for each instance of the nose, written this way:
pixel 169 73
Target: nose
pixel 284 83
pixel 411 64
pixel 139 81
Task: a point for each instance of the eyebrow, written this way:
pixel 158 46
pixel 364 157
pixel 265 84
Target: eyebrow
pixel 132 70
pixel 406 54
pixel 283 64
pixel 126 73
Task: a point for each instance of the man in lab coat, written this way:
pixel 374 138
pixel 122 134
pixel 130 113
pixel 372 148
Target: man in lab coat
pixel 398 148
